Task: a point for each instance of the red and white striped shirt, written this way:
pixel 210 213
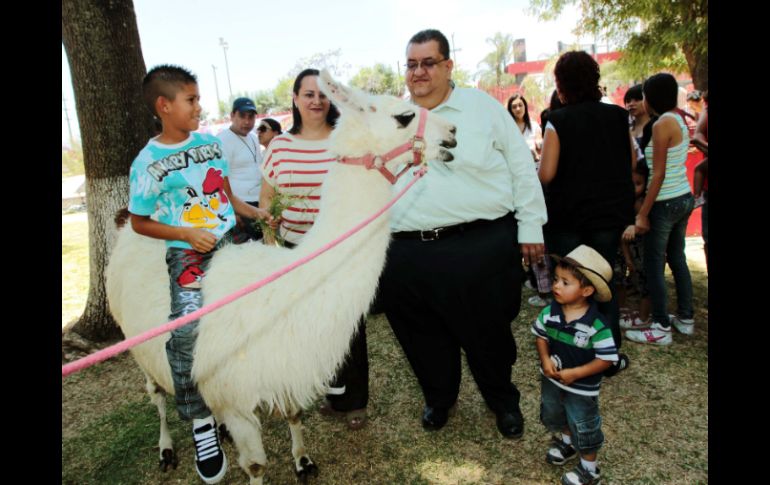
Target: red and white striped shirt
pixel 297 168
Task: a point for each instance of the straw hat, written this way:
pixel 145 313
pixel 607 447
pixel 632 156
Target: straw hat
pixel 594 267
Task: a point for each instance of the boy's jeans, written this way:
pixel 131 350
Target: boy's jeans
pixel 560 409
pixel 665 242
pixel 186 269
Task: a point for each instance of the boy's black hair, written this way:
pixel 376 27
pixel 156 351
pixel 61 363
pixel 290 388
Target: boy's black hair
pixel 661 92
pixel 642 169
pixel 165 80
pixel 574 271
pixel 428 35
pixel 635 93
pixel 331 117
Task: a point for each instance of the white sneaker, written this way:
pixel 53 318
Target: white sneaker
pixel 538 301
pixel 528 284
pixel 633 322
pixel 684 325
pixel 657 334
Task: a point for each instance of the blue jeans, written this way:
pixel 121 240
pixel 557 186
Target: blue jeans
pixel 186 269
pixel 560 409
pixel 606 242
pixel 665 242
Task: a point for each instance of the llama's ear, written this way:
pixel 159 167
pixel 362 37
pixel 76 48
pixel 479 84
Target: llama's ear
pixel 343 97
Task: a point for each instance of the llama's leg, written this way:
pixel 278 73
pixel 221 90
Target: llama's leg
pixel 304 466
pixel 166 447
pixel 246 432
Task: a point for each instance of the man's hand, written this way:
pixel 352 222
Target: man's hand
pixel 200 239
pixel 533 253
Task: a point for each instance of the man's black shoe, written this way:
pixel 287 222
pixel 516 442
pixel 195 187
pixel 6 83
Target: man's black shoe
pixel 510 425
pixel 434 418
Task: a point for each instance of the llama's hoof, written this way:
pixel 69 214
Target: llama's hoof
pixel 168 457
pixel 306 469
pixel 224 435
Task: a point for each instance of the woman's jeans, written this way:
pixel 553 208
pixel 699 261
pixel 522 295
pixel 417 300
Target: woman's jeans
pixel 665 242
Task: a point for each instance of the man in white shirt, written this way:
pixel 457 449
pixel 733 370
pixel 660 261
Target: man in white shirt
pixel 452 279
pixel 242 152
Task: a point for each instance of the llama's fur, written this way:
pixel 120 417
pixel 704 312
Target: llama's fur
pixel 279 346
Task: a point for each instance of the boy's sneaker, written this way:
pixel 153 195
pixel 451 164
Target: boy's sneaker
pixel 657 334
pixel 684 325
pixel 581 476
pixel 633 322
pixel 210 460
pixel 538 301
pixel 560 452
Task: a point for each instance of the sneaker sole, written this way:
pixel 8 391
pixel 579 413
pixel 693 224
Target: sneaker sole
pixel 219 476
pixel 554 461
pixel 685 330
pixel 660 342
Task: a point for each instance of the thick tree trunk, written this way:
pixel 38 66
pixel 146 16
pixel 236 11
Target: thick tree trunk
pixel 103 49
pixel 699 67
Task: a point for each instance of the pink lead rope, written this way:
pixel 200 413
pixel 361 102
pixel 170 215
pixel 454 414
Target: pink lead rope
pixel 113 350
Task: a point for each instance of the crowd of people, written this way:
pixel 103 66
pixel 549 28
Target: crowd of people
pixel 605 196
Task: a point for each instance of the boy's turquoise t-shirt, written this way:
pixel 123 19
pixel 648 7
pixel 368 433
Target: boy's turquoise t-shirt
pixel 183 185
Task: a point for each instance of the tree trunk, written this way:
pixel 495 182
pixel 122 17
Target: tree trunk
pixel 105 56
pixel 699 67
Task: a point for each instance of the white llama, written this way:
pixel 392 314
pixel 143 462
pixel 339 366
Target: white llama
pixel 278 347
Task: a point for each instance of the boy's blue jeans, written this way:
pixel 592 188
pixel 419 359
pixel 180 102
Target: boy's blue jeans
pixel 186 269
pixel 560 409
pixel 665 242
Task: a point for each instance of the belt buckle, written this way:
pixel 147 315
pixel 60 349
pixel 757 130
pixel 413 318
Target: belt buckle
pixel 433 232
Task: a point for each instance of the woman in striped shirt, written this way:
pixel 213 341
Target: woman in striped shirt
pixel 665 212
pixel 296 164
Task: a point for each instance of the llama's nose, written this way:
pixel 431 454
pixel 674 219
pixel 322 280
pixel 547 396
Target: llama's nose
pixel 453 130
pixel 448 143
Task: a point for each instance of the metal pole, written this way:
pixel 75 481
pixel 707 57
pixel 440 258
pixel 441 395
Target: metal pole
pixel 227 67
pixel 216 86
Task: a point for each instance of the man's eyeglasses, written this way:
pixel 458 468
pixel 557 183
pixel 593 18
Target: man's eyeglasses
pixel 262 128
pixel 427 64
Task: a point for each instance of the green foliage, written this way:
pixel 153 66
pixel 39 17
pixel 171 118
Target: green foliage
pixel 282 93
pixel 493 73
pixel 72 161
pixel 462 77
pixel 655 35
pixel 378 79
pixel 264 100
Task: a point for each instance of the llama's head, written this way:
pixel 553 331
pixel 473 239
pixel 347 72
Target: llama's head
pixel 373 124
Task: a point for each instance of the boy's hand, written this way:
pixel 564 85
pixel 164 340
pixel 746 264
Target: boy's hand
pixel 549 369
pixel 567 376
pixel 201 240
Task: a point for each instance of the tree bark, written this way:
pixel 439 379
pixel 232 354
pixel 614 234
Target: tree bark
pixel 699 67
pixel 101 40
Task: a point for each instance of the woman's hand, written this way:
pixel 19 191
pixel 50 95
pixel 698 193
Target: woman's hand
pixel 642 224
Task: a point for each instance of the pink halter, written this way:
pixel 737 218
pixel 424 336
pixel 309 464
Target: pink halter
pixel 416 145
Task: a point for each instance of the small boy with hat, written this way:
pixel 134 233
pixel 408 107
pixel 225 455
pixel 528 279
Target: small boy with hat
pixel 575 347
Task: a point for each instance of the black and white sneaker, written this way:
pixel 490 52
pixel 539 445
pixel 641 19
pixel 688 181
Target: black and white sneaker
pixel 210 460
pixel 560 452
pixel 581 476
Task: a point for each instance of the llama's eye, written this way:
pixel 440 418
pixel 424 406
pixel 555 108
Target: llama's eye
pixel 404 119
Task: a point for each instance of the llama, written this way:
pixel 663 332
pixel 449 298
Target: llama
pixel 278 347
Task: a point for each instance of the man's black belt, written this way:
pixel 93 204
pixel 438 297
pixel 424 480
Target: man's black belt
pixel 444 232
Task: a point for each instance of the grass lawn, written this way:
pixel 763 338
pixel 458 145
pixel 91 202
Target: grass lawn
pixel 655 416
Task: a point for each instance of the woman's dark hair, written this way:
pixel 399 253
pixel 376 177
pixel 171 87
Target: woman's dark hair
pixel 331 117
pixel 635 93
pixel 526 109
pixel 647 133
pixel 577 77
pixel 553 106
pixel 274 125
pixel 661 92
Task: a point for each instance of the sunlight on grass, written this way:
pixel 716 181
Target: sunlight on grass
pixel 443 472
pixel 74 266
